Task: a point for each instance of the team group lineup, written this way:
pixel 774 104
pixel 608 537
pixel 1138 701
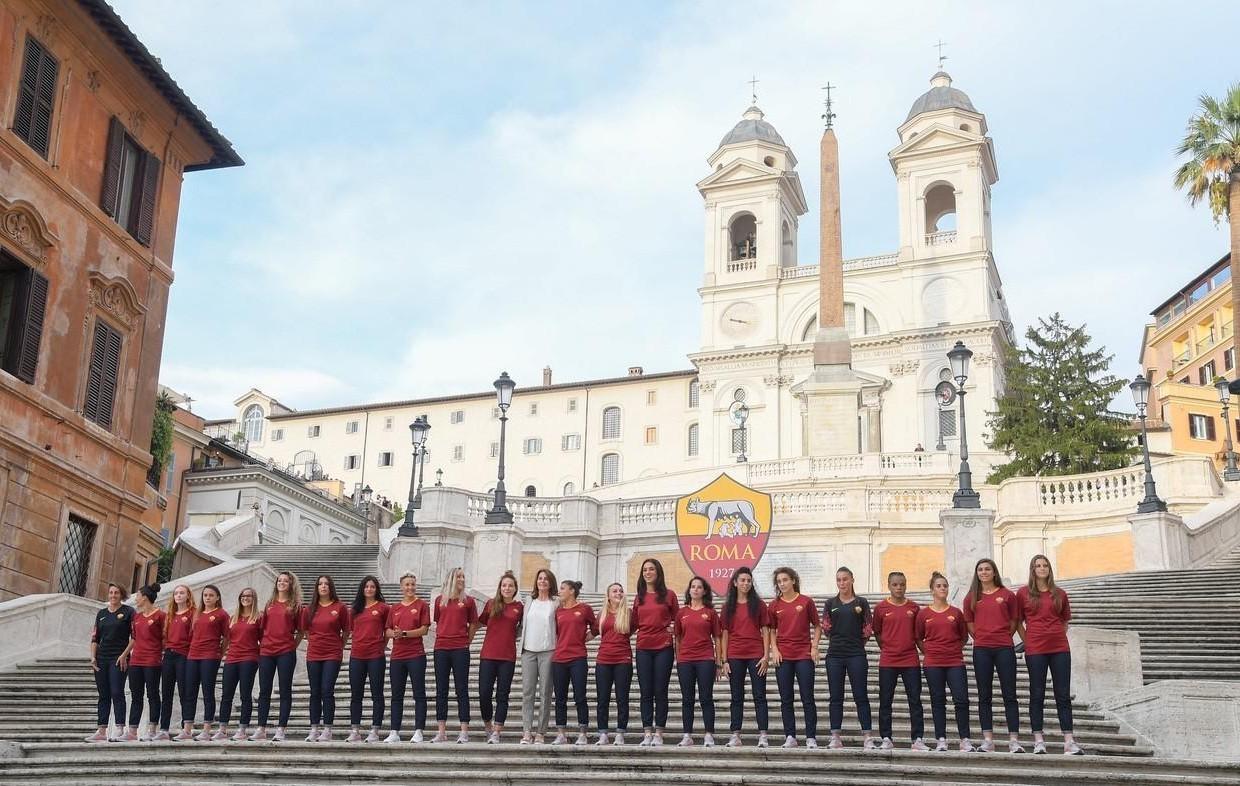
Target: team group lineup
pixel 180 649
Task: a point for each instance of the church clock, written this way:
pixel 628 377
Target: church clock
pixel 740 320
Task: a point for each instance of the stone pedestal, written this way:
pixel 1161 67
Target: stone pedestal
pixel 1105 661
pixel 1159 541
pixel 495 550
pixel 832 396
pixel 968 535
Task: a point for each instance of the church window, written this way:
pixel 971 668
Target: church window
pixel 850 318
pixel 694 393
pixel 531 491
pixel 611 423
pixel 743 237
pixel 871 323
pixel 945 374
pixel 787 251
pixel 570 489
pixel 610 469
pixel 252 423
pixel 940 211
pixel 810 329
pixel 947 422
pixel 738 441
pixel 738 394
pixel 693 439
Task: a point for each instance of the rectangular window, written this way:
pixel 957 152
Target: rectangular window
pixel 1229 359
pixel 572 405
pixel 36 96
pixel 610 472
pixel 102 375
pixel 1201 426
pixel 694 394
pixel 458 452
pixel 652 435
pixel 533 408
pixel 353 461
pixel 495 413
pixel 350 427
pixel 171 471
pixel 611 423
pixel 494 450
pixel 130 183
pixel 277 434
pixel 693 439
pixel 75 557
pixel 947 422
pixel 385 458
pixel 738 441
pixel 1220 278
pixel 570 442
pixel 387 423
pixel 457 416
pixel 23 303
pixel 312 431
pixel 652 396
pixel 532 446
pixel 1205 374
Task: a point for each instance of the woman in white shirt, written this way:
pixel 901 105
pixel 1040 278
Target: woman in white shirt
pixel 536 647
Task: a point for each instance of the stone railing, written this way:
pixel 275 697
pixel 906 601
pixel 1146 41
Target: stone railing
pixel 1188 480
pixel 859 263
pixel 875 465
pixel 1168 715
pixel 798 271
pixel 525 510
pixel 203 545
pixel 941 238
pixel 737 265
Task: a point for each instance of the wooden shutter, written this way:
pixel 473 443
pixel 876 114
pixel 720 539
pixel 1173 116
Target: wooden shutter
pixel 112 167
pixel 36 95
pixel 102 374
pixel 146 205
pixel 32 331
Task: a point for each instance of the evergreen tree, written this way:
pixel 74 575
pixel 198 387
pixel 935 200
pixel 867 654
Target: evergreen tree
pixel 1054 417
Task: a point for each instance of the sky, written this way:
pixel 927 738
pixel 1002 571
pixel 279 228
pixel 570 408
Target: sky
pixel 435 192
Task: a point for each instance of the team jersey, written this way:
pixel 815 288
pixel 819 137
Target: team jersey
pixel 368 628
pixel 572 625
pixel 206 641
pixel 846 626
pixel 279 629
pixel 500 641
pixel 793 620
pixel 326 628
pixel 614 648
pixel 652 619
pixel 452 621
pixel 177 637
pixel 408 617
pixel 112 631
pixel 148 639
pixel 992 616
pixel 896 629
pixel 697 630
pixel 745 632
pixel 942 635
pixel 243 636
pixel 1046 631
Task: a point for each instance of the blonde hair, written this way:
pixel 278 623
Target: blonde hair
pixel 498 602
pixel 294 592
pixel 253 606
pixel 448 590
pixel 1035 594
pixel 172 606
pixel 621 613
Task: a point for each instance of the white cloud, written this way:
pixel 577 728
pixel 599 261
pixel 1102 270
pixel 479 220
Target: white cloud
pixel 213 389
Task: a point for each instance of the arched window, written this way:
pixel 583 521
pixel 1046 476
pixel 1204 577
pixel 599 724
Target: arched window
pixel 743 237
pixel 694 393
pixel 570 489
pixel 252 423
pixel 610 469
pixel 810 329
pixel 940 210
pixel 530 491
pixel 693 439
pixel 871 323
pixel 787 252
pixel 859 321
pixel 611 423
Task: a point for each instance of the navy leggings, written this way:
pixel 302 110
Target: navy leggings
pixel 697 677
pixel 200 674
pixel 323 674
pixel 561 674
pixel 856 668
pixel 172 675
pixel 654 675
pixel 938 680
pixel 145 680
pixel 887 678
pixel 802 671
pixel 238 674
pixel 1059 664
pixel 986 661
pixel 110 682
pixel 609 677
pixel 413 671
pixel 738 668
pixel 361 671
pixel 268 665
pixel 494 681
pixel 456 663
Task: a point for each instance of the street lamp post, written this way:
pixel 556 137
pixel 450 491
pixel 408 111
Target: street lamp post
pixel 965 496
pixel 439 477
pixel 418 429
pixel 740 414
pixel 499 513
pixel 1140 388
pixel 1224 397
pixel 417 499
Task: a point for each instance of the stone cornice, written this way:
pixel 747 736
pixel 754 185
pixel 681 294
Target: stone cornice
pixel 225 476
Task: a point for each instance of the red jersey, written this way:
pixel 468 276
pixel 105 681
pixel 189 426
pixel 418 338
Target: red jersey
pixel 793 619
pixel 992 618
pixel 326 627
pixel 1046 632
pixel 896 628
pixel 368 627
pixel 651 619
pixel 408 617
pixel 745 633
pixel 180 627
pixel 148 639
pixel 697 630
pixel 207 640
pixel 500 641
pixel 278 629
pixel 942 635
pixel 614 648
pixel 571 628
pixel 452 621
pixel 243 638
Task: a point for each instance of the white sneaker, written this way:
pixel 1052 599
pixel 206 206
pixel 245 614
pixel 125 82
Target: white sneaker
pixel 374 736
pixel 493 739
pixel 326 734
pixel 1039 747
pixel 836 744
pixel 184 736
pixel 313 736
pixel 603 739
pixel 462 738
pixel 685 742
pixel 762 740
pixel 417 736
pixel 354 736
pixel 941 746
pixel 658 740
pixel 1015 747
pixel 617 738
pixel 393 737
pixel 789 742
pixel 219 736
pixel 203 736
pixel 1072 749
pixel 987 746
pixel 438 738
pixel 708 741
pixel 966 746
pixel 259 736
pixel 144 737
pixel 582 739
pixel 887 744
pixel 278 736
pixel 869 744
pixel 560 739
pixel 527 739
pixel 734 741
pixel 918 745
pixel 812 743
pixel 647 740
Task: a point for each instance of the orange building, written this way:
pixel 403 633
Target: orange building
pixel 1185 349
pixel 94 141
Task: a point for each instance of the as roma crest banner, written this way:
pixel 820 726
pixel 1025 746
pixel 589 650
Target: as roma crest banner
pixel 722 527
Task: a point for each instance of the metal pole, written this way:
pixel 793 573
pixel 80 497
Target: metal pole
pixel 965 496
pixel 407 528
pixel 1151 503
pixel 421 475
pixel 941 445
pixel 1230 473
pixel 499 514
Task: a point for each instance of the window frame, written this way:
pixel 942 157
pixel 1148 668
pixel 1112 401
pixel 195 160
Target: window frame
pixel 39 93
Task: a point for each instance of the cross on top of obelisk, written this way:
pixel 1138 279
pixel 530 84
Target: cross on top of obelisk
pixel 828 115
pixel 942 56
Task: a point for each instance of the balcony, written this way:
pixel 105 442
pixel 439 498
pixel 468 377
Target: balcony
pixel 1205 343
pixel 738 265
pixel 941 238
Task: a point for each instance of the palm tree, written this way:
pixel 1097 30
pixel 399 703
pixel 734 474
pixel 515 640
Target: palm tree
pixel 1212 172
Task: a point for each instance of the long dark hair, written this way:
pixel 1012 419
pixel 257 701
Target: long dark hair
pixel 359 602
pixel 752 601
pixel 331 594
pixel 1035 594
pixel 708 597
pixel 975 586
pixel 497 603
pixel 552 585
pixel 660 583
